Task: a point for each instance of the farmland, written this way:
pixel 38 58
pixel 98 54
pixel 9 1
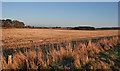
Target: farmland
pixel 19 36
pixel 25 45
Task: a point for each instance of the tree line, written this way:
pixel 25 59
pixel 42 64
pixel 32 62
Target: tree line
pixel 8 23
pixel 83 28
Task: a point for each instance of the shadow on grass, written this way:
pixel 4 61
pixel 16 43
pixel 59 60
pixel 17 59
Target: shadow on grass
pixel 109 58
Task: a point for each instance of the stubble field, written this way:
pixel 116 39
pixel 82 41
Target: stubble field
pixel 19 36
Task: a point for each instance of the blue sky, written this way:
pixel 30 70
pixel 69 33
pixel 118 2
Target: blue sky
pixel 97 14
pixel 60 0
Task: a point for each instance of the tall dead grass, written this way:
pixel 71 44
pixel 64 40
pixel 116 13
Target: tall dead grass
pixel 65 58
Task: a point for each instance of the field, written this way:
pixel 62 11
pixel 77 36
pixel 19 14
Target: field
pixel 60 49
pixel 19 36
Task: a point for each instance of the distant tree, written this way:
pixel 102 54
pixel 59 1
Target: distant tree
pixel 84 28
pixel 8 23
pixel 57 27
pixel 22 24
pixel 28 26
pixel 9 20
pixel 3 21
pixel 18 24
pixel 0 23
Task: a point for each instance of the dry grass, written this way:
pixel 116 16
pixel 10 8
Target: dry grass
pixel 82 56
pixel 12 38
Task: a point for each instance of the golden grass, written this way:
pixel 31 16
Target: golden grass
pixel 12 38
pixel 65 58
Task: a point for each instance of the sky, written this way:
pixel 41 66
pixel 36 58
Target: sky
pixel 60 0
pixel 63 14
